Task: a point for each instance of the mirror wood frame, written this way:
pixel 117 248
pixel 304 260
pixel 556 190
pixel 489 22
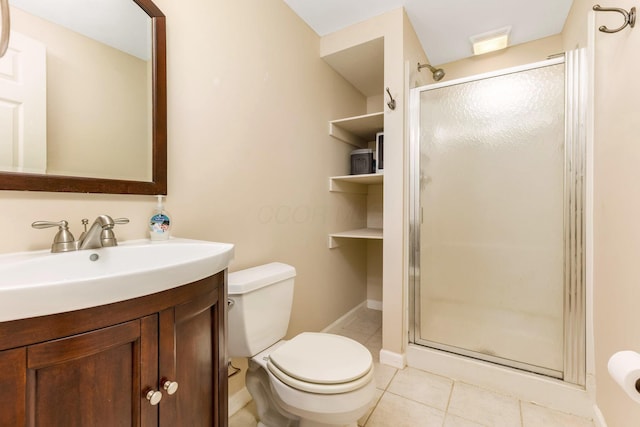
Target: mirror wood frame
pixel 158 183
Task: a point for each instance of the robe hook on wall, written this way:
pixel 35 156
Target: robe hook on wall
pixel 392 103
pixel 629 18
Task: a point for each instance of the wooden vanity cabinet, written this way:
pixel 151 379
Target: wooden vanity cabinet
pixel 95 367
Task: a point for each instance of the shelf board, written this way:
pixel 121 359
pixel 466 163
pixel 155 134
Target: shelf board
pixel 357 130
pixel 361 233
pixel 354 183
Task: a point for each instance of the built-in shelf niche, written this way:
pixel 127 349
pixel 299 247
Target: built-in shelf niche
pixel 360 233
pixel 357 184
pixel 358 130
pixel 369 185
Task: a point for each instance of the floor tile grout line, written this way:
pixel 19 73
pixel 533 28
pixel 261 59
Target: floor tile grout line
pixel 373 409
pixel 386 388
pixel 453 384
pixel 521 413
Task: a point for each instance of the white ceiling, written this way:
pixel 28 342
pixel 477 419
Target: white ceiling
pixel 443 26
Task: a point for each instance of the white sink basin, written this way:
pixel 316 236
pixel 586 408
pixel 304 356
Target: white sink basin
pixel 40 283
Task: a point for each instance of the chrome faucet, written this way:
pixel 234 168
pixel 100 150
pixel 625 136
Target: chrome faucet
pixel 99 235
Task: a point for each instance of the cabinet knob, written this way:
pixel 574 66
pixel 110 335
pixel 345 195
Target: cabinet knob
pixel 154 397
pixel 170 386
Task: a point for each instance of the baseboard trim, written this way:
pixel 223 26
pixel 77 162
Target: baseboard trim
pixel 238 400
pixel 374 304
pixel 345 316
pixel 598 418
pixel 395 360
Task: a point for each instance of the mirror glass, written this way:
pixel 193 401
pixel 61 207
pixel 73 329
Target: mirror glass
pixel 82 97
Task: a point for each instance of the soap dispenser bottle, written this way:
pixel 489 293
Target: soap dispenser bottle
pixel 159 222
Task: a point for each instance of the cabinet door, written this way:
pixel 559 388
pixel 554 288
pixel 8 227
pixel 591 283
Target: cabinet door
pixel 13 387
pixel 190 353
pixel 91 379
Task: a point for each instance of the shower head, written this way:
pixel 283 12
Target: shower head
pixel 438 73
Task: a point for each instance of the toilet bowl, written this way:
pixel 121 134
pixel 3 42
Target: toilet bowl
pixel 311 380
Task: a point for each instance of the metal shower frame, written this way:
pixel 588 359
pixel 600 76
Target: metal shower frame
pixel 574 370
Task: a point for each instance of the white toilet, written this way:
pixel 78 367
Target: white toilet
pixel 312 380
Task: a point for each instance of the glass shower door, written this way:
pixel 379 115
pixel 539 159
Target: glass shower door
pixel 491 234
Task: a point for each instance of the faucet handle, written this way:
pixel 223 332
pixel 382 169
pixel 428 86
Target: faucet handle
pixel 108 237
pixel 49 224
pixel 63 240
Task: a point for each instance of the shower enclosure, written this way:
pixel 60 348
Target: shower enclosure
pixel 496 225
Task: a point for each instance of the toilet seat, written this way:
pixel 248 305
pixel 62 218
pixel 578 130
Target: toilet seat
pixel 322 363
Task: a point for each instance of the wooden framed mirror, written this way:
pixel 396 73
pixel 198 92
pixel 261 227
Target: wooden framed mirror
pixel 136 110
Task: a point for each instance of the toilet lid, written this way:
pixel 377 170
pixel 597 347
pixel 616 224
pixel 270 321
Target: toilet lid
pixel 316 361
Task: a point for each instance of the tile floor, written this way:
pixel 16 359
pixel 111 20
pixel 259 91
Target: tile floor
pixel 414 398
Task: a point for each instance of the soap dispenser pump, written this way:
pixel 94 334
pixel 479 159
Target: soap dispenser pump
pixel 160 222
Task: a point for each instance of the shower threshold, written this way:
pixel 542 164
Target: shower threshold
pixel 524 385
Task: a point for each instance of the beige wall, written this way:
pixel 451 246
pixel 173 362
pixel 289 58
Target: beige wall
pixel 375 215
pixel 526 53
pixel 389 26
pixel 402 52
pixel 249 154
pixel 77 69
pixel 616 279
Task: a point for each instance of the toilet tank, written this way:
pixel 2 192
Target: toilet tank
pixel 259 307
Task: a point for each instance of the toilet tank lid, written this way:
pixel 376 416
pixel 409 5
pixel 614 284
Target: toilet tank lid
pixel 244 281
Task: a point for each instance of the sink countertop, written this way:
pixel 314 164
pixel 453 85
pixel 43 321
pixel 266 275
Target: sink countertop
pixel 39 283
